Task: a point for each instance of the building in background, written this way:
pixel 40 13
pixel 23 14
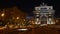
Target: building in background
pixel 44 14
pixel 12 15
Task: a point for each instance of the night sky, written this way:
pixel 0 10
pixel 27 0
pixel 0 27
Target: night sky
pixel 27 6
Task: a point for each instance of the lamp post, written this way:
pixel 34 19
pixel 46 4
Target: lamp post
pixel 18 21
pixel 17 18
pixel 2 16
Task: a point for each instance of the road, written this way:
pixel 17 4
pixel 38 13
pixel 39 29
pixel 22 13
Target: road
pixel 36 30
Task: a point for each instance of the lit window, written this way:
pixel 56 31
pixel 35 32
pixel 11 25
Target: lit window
pixel 49 15
pixel 57 21
pixel 37 13
pixel 49 12
pixel 37 19
pixel 49 19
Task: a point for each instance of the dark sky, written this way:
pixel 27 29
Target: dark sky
pixel 28 5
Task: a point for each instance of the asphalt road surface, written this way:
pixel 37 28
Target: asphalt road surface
pixel 37 30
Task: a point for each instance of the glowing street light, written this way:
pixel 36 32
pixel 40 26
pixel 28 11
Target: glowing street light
pixel 57 20
pixel 17 18
pixel 2 14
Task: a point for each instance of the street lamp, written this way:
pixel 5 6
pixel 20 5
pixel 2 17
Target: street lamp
pixel 17 18
pixel 2 14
